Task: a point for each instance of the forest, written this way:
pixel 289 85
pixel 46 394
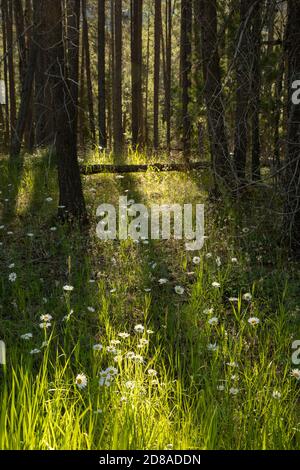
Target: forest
pixel 149 225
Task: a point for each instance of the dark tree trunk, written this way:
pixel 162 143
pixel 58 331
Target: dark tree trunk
pixel 243 83
pixel 136 72
pixel 27 85
pixel 5 68
pixel 101 75
pixel 186 69
pixel 213 91
pixel 86 45
pixel 73 25
pixel 157 32
pixel 117 79
pixel 168 69
pixel 71 200
pixel 292 217
pixel 8 8
pixel 256 87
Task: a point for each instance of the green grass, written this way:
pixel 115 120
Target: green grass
pixel 190 403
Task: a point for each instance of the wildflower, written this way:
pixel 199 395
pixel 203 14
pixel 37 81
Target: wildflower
pixel 196 260
pixel 144 342
pixel 179 290
pixel 208 255
pixel 53 229
pixel 48 199
pixel 139 328
pixel 162 281
pixel 26 336
pixel 233 299
pixel 81 381
pixel 91 309
pixel 111 371
pixel 296 374
pixel 111 349
pixel 276 395
pixel 44 344
pixel 220 388
pixel 130 385
pixel 253 321
pixel 218 261
pixel 130 355
pixel 97 347
pixel 247 297
pixel 35 351
pixel 152 372
pixel 45 325
pixel 213 347
pixel 12 277
pixel 234 260
pixel 150 332
pixel 124 335
pixel 68 288
pixel 213 321
pixel 46 318
pixel 233 391
pixel 138 358
pixel 208 311
pixel 11 266
pixel 231 364
pixel 216 285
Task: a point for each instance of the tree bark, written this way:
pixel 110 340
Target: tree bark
pixel 292 212
pixel 186 69
pixel 157 32
pixel 117 79
pixel 71 200
pixel 136 72
pixel 213 92
pixel 101 75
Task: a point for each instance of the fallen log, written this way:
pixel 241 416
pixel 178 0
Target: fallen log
pixel 95 169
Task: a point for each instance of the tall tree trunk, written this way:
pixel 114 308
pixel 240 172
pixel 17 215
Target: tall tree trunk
pixel 101 75
pixel 256 87
pixel 71 200
pixel 292 217
pixel 86 44
pixel 243 83
pixel 5 68
pixel 136 72
pixel 157 32
pixel 27 85
pixel 213 91
pixel 73 25
pixel 146 125
pixel 186 69
pixel 168 69
pixel 117 79
pixel 8 7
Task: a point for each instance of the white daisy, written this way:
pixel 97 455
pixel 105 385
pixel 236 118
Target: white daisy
pixel 97 347
pixel 139 328
pixel 247 297
pixel 253 321
pixel 68 288
pixel 26 336
pixel 46 318
pixel 296 374
pixel 213 321
pixel 81 381
pixel 216 285
pixel 179 290
pixel 196 260
pixel 12 277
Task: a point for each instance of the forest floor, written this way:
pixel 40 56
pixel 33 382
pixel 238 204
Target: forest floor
pixel 165 369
